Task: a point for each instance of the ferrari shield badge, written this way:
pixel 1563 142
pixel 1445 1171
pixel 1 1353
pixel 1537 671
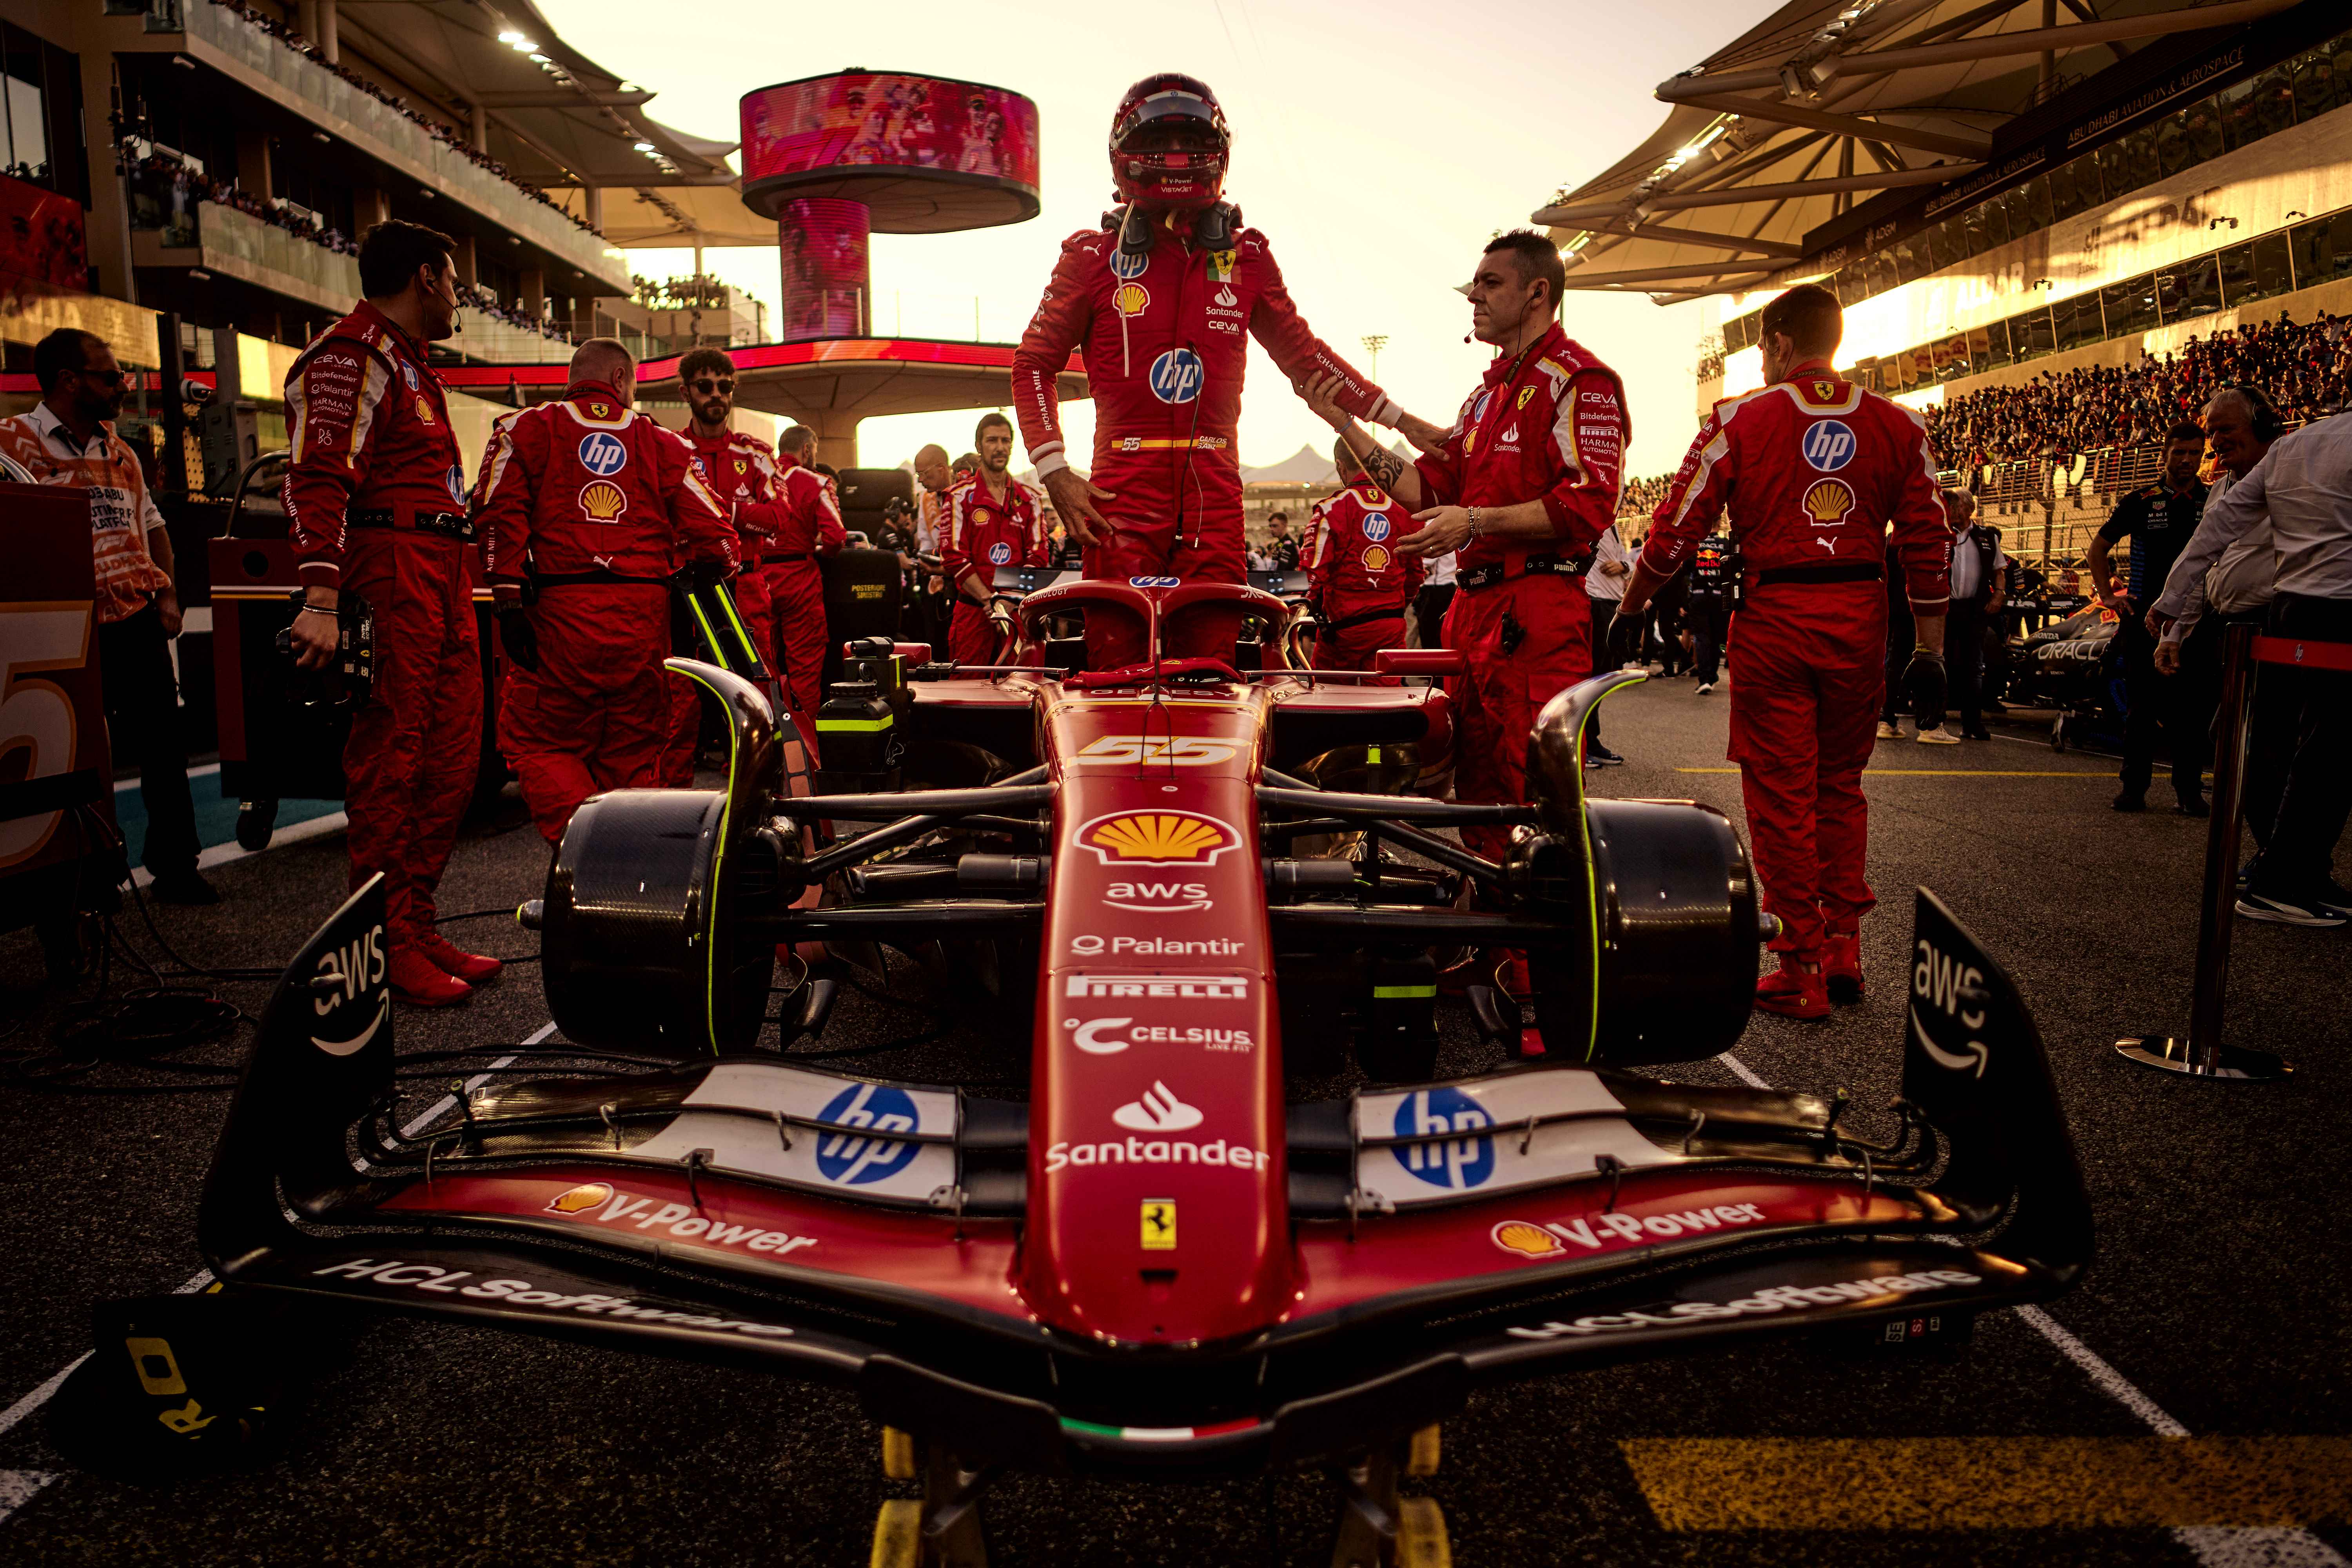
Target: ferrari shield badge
pixel 1160 1225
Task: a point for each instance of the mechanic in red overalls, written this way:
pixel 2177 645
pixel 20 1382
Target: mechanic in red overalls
pixel 992 523
pixel 1356 579
pixel 808 525
pixel 1813 469
pixel 743 471
pixel 590 507
pixel 1521 486
pixel 1161 301
pixel 375 507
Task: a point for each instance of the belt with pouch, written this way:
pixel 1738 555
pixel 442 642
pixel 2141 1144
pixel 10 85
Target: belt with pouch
pixel 447 525
pixel 1549 565
pixel 773 556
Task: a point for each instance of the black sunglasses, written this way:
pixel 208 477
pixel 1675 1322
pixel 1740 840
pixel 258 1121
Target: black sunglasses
pixel 705 385
pixel 113 377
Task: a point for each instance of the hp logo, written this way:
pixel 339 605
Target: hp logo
pixel 602 454
pixel 854 1158
pixel 1176 376
pixel 1828 446
pixel 1454 1161
pixel 1376 526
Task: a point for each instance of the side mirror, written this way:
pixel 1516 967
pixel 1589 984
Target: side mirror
pixel 1431 661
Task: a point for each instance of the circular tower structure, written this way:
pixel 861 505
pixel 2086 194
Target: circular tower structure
pixel 836 158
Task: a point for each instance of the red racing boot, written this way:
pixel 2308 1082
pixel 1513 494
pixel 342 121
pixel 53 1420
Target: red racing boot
pixel 1842 966
pixel 419 982
pixel 473 968
pixel 1795 990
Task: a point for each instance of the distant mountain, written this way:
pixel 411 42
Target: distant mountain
pixel 1306 466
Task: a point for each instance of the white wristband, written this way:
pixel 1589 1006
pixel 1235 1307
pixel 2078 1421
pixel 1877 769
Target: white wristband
pixel 1053 462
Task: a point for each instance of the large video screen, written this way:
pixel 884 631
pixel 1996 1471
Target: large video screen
pixel 824 270
pixel 893 121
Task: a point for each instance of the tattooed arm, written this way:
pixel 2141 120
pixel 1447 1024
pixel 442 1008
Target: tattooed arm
pixel 1384 468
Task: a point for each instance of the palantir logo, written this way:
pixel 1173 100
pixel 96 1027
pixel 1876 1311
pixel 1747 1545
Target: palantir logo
pixel 1176 376
pixel 602 454
pixel 1450 1161
pixel 855 1159
pixel 1828 444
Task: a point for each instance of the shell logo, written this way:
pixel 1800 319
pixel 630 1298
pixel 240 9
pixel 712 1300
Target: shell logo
pixel 424 410
pixel 1518 1235
pixel 603 500
pixel 1130 299
pixel 586 1197
pixel 1157 838
pixel 1828 502
pixel 1376 558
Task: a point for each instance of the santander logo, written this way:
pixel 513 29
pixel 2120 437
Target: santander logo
pixel 1158 1111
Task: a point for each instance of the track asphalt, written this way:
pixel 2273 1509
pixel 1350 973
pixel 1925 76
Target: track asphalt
pixel 2190 1403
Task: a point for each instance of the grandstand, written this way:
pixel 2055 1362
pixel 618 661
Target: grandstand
pixel 2050 237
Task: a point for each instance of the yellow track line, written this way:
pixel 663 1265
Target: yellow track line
pixel 1991 1483
pixel 1952 773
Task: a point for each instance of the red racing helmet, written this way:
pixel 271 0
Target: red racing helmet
pixel 1168 143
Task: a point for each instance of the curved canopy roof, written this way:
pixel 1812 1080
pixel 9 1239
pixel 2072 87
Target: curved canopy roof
pixel 1824 105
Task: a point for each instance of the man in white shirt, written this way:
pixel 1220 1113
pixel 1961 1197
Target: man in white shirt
pixel 2301 743
pixel 1979 583
pixel 1604 584
pixel 1429 606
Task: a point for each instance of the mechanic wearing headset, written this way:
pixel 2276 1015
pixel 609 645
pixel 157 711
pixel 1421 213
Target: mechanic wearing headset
pixel 1356 580
pixel 590 507
pixel 743 472
pixel 1161 301
pixel 375 507
pixel 1522 487
pixel 1812 469
pixel 992 523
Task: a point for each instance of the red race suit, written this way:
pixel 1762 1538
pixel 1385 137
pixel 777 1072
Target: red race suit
pixel 1358 582
pixel 808 525
pixel 1813 469
pixel 375 505
pixel 595 506
pixel 1164 336
pixel 743 471
pixel 1549 425
pixel 986 531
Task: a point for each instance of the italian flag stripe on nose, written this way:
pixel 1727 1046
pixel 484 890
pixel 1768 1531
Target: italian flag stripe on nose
pixel 1157 1433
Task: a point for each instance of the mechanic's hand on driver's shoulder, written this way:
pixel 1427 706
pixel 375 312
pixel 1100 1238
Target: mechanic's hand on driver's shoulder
pixel 316 631
pixel 1074 499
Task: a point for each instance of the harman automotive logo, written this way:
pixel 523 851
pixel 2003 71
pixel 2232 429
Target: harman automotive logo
pixel 353 973
pixel 1447 1162
pixel 855 1159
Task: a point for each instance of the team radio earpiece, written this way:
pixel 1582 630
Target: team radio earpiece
pixel 2268 422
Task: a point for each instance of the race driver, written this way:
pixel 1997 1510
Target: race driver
pixel 1160 299
pixel 808 525
pixel 743 472
pixel 992 523
pixel 1521 488
pixel 375 508
pixel 1812 469
pixel 1356 579
pixel 586 507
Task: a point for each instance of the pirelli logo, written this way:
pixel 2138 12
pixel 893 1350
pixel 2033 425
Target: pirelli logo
pixel 1187 987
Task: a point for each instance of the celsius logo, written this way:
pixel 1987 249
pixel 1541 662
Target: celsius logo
pixel 1176 376
pixel 1454 1162
pixel 855 1158
pixel 602 454
pixel 1828 446
pixel 1376 526
pixel 1158 1111
pixel 1088 1035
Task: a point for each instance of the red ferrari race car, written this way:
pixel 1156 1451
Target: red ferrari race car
pixel 1158 1261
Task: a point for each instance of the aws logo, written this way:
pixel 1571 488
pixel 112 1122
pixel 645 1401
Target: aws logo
pixel 351 976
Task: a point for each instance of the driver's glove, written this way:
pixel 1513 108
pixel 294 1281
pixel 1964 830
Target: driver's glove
pixel 520 637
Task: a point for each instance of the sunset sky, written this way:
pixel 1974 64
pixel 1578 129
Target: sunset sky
pixel 1378 145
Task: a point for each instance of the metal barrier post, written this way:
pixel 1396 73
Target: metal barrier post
pixel 2201 1053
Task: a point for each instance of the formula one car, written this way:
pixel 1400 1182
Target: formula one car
pixel 1162 1259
